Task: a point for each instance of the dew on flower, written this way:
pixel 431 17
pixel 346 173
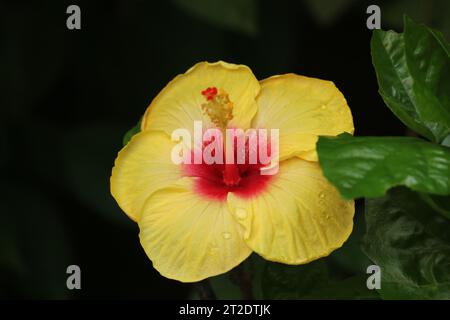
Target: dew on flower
pixel 241 213
pixel 226 235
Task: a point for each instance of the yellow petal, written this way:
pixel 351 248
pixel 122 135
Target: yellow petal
pixel 143 166
pixel 178 105
pixel 190 238
pixel 301 108
pixel 299 218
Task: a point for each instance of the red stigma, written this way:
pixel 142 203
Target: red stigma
pixel 209 93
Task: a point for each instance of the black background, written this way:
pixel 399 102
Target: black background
pixel 68 96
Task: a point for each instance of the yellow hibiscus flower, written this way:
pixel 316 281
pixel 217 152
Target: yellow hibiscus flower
pixel 201 220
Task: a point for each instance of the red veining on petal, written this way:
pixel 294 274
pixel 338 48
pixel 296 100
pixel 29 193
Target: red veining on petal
pixel 209 93
pixel 214 181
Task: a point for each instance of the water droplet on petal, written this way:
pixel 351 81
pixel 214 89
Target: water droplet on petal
pixel 321 195
pixel 241 213
pixel 226 235
pixel 213 250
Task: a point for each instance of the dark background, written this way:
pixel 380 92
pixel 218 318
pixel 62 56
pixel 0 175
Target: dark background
pixel 68 97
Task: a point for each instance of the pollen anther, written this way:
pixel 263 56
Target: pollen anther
pixel 218 107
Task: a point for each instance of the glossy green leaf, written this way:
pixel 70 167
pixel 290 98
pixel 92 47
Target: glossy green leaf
pixel 410 242
pixel 369 166
pixel 429 64
pixel 413 72
pixel 446 141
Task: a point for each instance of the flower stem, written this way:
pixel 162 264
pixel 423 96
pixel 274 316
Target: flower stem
pixel 205 291
pixel 240 277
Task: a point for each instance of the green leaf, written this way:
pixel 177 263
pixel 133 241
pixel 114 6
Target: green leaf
pixel 369 166
pixel 130 133
pixel 394 80
pixel 410 242
pixel 429 64
pixel 236 15
pixel 446 141
pixel 413 72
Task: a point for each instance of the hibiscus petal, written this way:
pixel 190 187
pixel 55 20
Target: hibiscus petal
pixel 299 218
pixel 178 105
pixel 301 108
pixel 190 238
pixel 143 166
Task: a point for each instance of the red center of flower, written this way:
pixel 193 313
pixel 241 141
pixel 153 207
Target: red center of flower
pixel 214 181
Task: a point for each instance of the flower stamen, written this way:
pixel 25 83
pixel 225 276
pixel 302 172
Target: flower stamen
pixel 218 107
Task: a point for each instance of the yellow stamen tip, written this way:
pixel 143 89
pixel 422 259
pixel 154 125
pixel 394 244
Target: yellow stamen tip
pixel 218 107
